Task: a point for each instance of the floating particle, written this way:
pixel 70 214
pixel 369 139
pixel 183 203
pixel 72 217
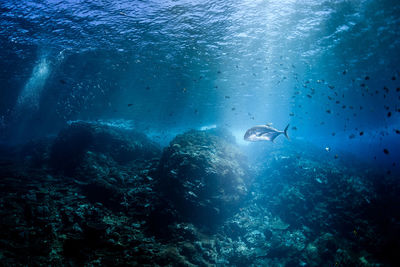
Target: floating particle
pixel 184 90
pixel 393 78
pixel 309 96
pixel 227 97
pixel 362 85
pixel 397 131
pixel 130 105
pixel 294 128
pixel 344 72
pixel 336 156
pixel 386 151
pixel 352 136
pixel 219 72
pixel 398 89
pixel 196 111
pixel 344 106
pixel 366 78
pixel 329 97
pixel 389 114
pixel 147 87
pixel 63 81
pixel 233 109
pixel 291 114
pixel 337 102
pixel 333 134
pixel 386 89
pixel 331 86
pixel 328 111
pixel 361 133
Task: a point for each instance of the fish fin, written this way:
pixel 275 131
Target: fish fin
pixel 285 132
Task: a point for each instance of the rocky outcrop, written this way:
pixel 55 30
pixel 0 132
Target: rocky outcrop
pixel 203 175
pixel 75 144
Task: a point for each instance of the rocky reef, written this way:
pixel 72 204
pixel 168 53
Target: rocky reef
pixel 84 142
pixel 205 176
pixel 98 195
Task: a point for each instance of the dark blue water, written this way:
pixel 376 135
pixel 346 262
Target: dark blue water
pixel 329 69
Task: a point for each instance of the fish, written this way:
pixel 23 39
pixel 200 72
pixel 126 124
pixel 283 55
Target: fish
pixel 264 133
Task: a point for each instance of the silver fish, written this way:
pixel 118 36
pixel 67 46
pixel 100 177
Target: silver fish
pixel 264 133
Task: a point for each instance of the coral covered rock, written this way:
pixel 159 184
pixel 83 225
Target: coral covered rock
pixel 120 145
pixel 203 175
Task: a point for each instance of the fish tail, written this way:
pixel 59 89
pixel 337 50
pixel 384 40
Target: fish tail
pixel 285 132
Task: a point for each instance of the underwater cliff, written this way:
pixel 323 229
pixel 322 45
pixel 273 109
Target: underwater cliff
pixel 200 133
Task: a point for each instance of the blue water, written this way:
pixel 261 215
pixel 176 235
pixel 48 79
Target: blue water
pixel 188 64
pixel 329 69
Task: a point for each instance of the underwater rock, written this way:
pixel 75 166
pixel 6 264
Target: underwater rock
pixel 122 146
pixel 203 175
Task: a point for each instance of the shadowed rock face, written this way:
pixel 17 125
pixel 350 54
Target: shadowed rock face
pixel 72 145
pixel 203 175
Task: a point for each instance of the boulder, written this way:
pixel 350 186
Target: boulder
pixel 204 175
pixel 119 145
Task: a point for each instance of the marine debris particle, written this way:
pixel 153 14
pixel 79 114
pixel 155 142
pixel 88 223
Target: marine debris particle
pixel 386 89
pixel 389 114
pixel 397 131
pixel 386 151
pixel 361 133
